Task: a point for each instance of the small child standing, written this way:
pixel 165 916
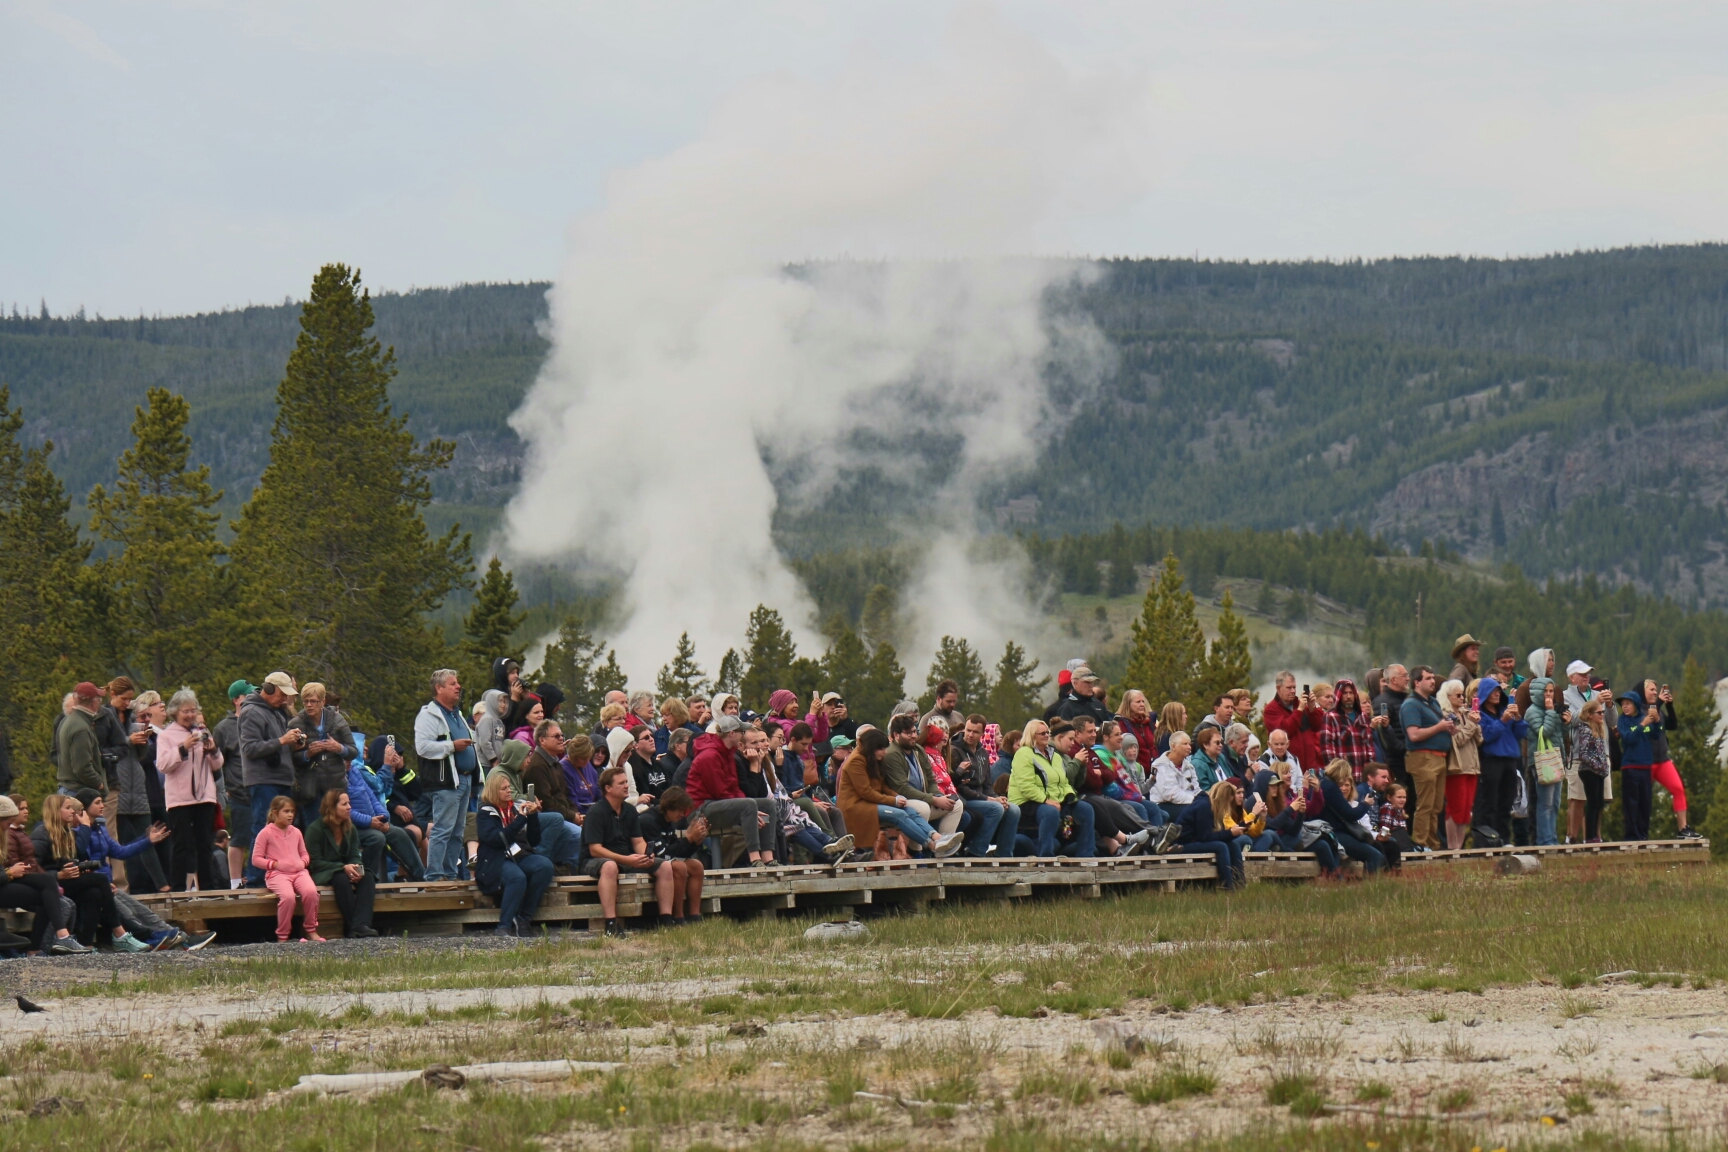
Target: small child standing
pixel 280 850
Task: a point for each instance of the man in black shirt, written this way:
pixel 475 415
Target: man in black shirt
pixel 612 842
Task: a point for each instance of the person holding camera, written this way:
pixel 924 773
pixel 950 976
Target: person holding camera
pixel 267 747
pixel 321 762
pixel 507 868
pixel 58 849
pixel 613 843
pixel 333 859
pixel 673 836
pixel 187 757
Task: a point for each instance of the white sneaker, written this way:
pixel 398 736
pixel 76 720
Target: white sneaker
pixel 1140 837
pixel 948 845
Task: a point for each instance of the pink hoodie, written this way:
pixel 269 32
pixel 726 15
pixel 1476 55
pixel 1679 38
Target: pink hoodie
pixel 188 778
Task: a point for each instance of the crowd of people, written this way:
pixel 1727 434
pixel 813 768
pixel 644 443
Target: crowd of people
pixel 282 793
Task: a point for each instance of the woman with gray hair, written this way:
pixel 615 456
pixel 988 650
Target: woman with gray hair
pixel 187 757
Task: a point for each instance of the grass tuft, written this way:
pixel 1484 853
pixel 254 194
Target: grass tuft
pixel 1172 1083
pixel 1373 1091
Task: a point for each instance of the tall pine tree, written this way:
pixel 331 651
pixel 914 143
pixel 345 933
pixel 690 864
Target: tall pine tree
pixel 768 657
pixel 1169 650
pixel 332 550
pixel 731 674
pixel 1229 664
pixel 573 662
pixel 956 661
pixel 1697 751
pixel 167 587
pixel 1015 697
pixel 489 629
pixel 682 676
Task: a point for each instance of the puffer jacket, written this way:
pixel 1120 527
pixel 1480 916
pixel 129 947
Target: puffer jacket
pixel 1498 737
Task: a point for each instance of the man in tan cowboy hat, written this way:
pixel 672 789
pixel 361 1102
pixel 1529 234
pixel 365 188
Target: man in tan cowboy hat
pixel 1466 652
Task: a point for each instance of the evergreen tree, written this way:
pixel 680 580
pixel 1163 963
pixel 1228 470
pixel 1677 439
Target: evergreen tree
pixel 884 686
pixel 572 662
pixel 683 676
pixel 332 550
pixel 1497 525
pixel 871 682
pixel 880 624
pixel 489 629
pixel 768 657
pixel 1696 748
pixel 1169 650
pixel 731 672
pixel 1267 604
pixel 1014 696
pixel 1296 608
pixel 51 605
pixel 166 586
pixel 1229 664
pixel 609 677
pixel 956 661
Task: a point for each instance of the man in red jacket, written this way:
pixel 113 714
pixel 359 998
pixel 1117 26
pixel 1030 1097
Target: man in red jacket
pixel 713 787
pixel 1299 719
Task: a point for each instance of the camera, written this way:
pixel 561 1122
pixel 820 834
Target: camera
pixel 88 865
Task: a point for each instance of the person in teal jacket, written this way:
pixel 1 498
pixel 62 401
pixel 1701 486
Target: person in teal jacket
pixel 1638 723
pixel 1547 720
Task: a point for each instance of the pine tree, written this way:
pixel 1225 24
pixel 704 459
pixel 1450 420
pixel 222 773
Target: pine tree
pixel 572 662
pixel 1497 525
pixel 956 661
pixel 1229 664
pixel 683 676
pixel 768 657
pixel 1015 697
pixel 1267 604
pixel 489 629
pixel 609 677
pixel 884 686
pixel 879 624
pixel 167 587
pixel 1696 748
pixel 51 605
pixel 1169 649
pixel 731 672
pixel 332 551
pixel 846 664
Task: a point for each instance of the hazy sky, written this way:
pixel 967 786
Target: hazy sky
pixel 179 156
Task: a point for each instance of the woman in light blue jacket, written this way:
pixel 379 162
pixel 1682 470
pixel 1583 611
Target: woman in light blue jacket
pixel 1547 720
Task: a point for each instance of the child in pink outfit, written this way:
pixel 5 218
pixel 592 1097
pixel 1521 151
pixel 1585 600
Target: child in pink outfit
pixel 280 850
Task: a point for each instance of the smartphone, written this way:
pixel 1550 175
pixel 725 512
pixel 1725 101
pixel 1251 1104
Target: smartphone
pixel 1307 689
pixel 530 793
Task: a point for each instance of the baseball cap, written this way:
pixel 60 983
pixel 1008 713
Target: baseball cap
pixel 1085 673
pixel 728 724
pixel 833 698
pixel 85 690
pixel 240 688
pixel 282 682
pixel 1577 668
pixel 840 742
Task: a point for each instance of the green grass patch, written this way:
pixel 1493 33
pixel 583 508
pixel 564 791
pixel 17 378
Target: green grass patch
pixel 1172 1083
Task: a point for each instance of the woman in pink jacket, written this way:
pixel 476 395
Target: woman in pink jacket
pixel 187 757
pixel 280 851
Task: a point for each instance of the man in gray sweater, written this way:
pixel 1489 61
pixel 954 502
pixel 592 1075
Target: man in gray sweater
pixel 76 750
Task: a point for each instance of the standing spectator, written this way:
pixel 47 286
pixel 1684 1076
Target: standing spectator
pixel 1039 787
pixel 267 747
pixel 1466 656
pixel 508 869
pixel 445 746
pixel 333 859
pixel 1463 762
pixel 1298 717
pixel 239 813
pixel 321 763
pixel 1547 721
pixel 1578 689
pixel 1505 670
pixel 1346 729
pixel 149 718
pixel 1497 787
pixel 489 734
pixel 76 750
pixel 1589 765
pixel 1388 708
pixel 1135 716
pixel 187 757
pixel 1064 690
pixel 1087 698
pixel 1427 742
pixel 279 851
pixel 946 710
pixel 1640 720
pixel 1662 770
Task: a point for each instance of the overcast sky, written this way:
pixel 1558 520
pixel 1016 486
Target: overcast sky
pixel 182 156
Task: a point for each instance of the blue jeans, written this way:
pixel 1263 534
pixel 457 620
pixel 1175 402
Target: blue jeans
pixel 557 845
pixel 1050 823
pixel 991 824
pixel 1371 857
pixel 813 840
pixel 1547 812
pixel 1291 842
pixel 916 828
pixel 1227 857
pixel 526 879
pixel 1149 812
pixel 262 794
pixel 444 854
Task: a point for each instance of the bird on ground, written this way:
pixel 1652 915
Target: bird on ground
pixel 25 1004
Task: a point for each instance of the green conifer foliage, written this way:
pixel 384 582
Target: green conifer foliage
pixel 572 662
pixel 1697 751
pixel 768 658
pixel 332 551
pixel 731 672
pixel 1015 697
pixel 489 629
pixel 956 661
pixel 1169 650
pixel 1229 664
pixel 682 677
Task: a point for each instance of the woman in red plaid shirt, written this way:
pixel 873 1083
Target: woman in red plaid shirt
pixel 1346 732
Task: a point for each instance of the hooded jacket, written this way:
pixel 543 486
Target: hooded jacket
pixel 713 775
pixel 489 732
pixel 1544 722
pixel 263 759
pixel 190 777
pixel 1637 739
pixel 1498 737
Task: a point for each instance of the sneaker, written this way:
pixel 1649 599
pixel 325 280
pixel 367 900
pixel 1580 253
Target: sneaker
pixel 839 847
pixel 126 942
pixel 68 946
pixel 946 846
pixel 196 940
pixel 10 940
pixel 761 863
pixel 524 927
pixel 990 850
pixel 616 931
pixel 364 932
pixel 1690 833
pixel 1167 838
pixel 166 940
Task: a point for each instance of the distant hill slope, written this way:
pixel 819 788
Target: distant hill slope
pixel 1563 412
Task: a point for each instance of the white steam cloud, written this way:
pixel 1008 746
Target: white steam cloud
pixel 690 367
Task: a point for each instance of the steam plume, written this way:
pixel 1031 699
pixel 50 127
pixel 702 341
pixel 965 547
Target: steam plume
pixel 692 367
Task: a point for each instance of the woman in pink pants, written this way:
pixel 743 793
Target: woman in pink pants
pixel 280 850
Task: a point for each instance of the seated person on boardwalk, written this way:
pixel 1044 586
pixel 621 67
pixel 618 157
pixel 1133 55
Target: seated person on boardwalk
pixel 333 848
pixel 507 868
pixel 612 843
pixel 279 850
pixel 674 837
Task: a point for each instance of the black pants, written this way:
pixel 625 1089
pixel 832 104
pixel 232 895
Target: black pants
pixel 94 895
pixel 1400 774
pixel 355 900
pixel 373 844
pixel 145 872
pixel 37 893
pixel 193 839
pixel 1635 801
pixel 1593 804
pixel 1104 822
pixel 1496 788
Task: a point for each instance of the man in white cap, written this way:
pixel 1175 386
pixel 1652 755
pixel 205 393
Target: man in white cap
pixel 1577 687
pixel 267 747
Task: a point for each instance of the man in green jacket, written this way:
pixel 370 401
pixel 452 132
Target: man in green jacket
pixel 75 745
pixel 906 771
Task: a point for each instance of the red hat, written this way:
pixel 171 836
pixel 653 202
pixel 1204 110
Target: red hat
pixel 1064 677
pixel 87 691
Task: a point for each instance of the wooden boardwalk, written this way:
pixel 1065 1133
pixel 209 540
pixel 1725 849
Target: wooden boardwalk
pixel 440 908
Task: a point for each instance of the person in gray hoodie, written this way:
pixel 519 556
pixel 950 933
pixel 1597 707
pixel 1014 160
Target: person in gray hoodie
pixel 489 734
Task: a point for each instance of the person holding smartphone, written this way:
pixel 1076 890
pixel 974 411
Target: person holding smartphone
pixel 672 835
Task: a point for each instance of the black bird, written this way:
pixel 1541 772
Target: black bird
pixel 25 1004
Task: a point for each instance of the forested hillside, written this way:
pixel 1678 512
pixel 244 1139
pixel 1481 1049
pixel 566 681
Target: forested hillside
pixel 1563 413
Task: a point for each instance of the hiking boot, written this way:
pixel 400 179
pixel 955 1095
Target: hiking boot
pixel 946 846
pixel 126 942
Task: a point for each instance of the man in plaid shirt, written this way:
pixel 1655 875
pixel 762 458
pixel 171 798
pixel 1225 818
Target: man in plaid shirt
pixel 1345 729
